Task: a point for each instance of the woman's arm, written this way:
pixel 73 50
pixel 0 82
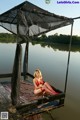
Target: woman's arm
pixel 34 82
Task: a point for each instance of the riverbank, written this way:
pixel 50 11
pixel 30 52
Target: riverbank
pixel 58 39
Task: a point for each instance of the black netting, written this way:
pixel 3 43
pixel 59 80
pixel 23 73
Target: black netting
pixel 27 19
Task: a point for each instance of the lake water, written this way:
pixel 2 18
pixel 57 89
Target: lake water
pixel 53 63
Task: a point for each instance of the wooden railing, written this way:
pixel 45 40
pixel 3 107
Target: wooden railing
pixel 10 75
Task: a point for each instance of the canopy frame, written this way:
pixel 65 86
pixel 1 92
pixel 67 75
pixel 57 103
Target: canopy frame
pixel 28 20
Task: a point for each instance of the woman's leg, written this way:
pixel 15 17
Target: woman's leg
pixel 50 88
pixel 37 91
pixel 48 91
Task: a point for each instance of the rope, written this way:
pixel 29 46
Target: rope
pixel 68 59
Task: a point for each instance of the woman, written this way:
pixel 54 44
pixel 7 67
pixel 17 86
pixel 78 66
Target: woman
pixel 41 87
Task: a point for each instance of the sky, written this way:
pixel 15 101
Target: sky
pixel 71 9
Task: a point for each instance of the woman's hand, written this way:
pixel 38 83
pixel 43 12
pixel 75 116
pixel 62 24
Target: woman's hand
pixel 40 85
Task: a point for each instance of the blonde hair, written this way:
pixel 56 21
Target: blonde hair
pixel 37 73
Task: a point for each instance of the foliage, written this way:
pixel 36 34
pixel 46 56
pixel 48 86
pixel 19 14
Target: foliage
pixel 7 37
pixel 61 39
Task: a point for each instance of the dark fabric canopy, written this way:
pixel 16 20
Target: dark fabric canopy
pixel 27 19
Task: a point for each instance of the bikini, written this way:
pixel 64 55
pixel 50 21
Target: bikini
pixel 41 82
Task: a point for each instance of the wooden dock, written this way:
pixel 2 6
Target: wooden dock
pixel 26 93
pixel 30 105
pixel 26 97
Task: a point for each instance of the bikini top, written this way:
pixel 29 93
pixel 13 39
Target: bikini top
pixel 39 82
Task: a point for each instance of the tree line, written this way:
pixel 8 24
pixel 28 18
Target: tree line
pixel 7 37
pixel 61 39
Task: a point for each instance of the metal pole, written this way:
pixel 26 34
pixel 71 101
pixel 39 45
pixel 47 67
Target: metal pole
pixel 68 58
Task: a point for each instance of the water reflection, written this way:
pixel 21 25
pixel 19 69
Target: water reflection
pixel 52 60
pixel 61 47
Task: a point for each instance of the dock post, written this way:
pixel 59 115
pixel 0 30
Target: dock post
pixel 16 76
pixel 25 62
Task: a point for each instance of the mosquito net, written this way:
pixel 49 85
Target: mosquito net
pixel 29 20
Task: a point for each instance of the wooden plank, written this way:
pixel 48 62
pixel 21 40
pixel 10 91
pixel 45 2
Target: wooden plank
pixel 4 95
pixel 16 76
pixel 6 75
pixel 32 110
pixel 55 100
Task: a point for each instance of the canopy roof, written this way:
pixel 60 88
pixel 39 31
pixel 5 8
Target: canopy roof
pixel 27 19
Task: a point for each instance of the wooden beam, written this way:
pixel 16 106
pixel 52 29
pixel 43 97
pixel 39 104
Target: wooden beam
pixel 25 63
pixel 16 76
pixel 41 105
pixel 6 75
pixel 42 101
pixel 10 75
